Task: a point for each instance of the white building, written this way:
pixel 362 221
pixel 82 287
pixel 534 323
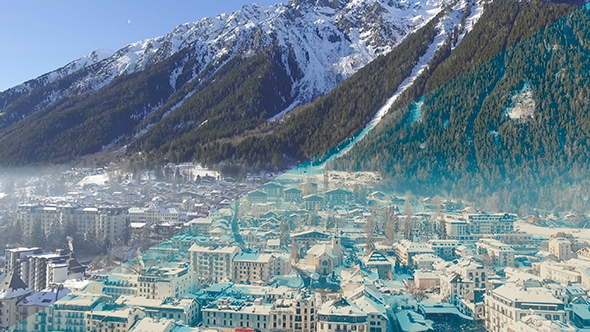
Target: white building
pixel 227 314
pixel 294 313
pixel 40 270
pixel 178 309
pixel 12 290
pixel 103 222
pixel 501 254
pixel 512 302
pixel 535 323
pixel 68 313
pixel 165 282
pixel 212 264
pixel 472 226
pixel 253 268
pixel 154 215
pixel 105 318
pixel 341 315
pixel 561 248
pixel 444 249
pixel 405 250
pixel 560 273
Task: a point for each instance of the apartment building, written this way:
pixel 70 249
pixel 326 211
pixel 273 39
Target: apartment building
pixel 212 264
pixel 561 248
pixel 178 309
pixel 165 282
pixel 511 302
pixel 472 226
pixel 228 313
pixel 252 268
pixel 342 316
pixel 39 270
pixel 105 222
pixel 501 254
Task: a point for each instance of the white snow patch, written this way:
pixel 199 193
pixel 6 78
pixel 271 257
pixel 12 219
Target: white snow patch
pixel 522 105
pixel 416 108
pixel 285 111
pixel 112 143
pixel 97 179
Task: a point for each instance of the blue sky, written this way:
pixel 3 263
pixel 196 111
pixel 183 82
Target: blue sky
pixel 37 36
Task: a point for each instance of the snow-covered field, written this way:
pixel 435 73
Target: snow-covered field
pixel 547 232
pixel 98 179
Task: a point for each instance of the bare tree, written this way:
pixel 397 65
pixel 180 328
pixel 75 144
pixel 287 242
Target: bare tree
pixel 294 252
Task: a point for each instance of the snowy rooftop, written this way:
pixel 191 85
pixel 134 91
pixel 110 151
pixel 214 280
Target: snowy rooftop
pixel 411 321
pixel 518 293
pixel 253 258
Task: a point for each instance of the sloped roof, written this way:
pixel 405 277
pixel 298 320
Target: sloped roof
pixel 13 286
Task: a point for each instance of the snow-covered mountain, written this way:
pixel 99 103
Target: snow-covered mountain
pixel 317 43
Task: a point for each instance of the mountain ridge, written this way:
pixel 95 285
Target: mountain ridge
pixel 319 47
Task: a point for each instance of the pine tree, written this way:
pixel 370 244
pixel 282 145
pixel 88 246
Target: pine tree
pixel 37 237
pixel 56 238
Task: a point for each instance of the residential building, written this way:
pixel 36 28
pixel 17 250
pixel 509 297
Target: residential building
pixel 380 263
pixel 534 323
pixel 295 313
pixel 427 280
pixel 176 308
pixel 341 315
pixel 339 196
pixel 313 202
pixel 561 248
pixel 33 309
pixel 232 314
pixel 40 270
pixel 472 226
pixel 273 189
pixel 502 255
pixel 165 282
pixel 12 291
pixel 512 302
pixel 252 268
pixel 307 239
pixel 68 313
pixel 560 273
pixel 103 222
pixel 212 264
pixel 258 197
pixel 292 194
pixel 405 250
pixel 107 317
pixel 444 249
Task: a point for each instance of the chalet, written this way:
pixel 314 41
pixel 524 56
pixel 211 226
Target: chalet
pixel 258 197
pixel 273 189
pixel 313 202
pixel 309 238
pixel 382 264
pixel 292 194
pixel 338 196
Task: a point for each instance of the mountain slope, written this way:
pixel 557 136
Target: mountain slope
pixel 137 96
pixel 430 56
pixel 515 124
